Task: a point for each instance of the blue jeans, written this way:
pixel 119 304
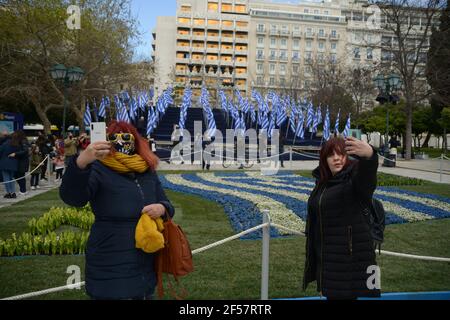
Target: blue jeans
pixel 8 176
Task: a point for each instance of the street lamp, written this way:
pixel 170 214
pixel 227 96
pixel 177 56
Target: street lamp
pixel 68 76
pixel 387 86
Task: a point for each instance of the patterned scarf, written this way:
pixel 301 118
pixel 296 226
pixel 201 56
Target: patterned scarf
pixel 123 163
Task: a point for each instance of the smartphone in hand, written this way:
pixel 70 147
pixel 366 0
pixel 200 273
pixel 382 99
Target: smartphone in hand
pixel 98 131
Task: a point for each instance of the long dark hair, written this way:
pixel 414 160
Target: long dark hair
pixel 142 146
pixel 17 138
pixel 335 144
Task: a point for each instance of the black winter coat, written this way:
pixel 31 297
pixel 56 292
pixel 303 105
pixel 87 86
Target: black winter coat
pixel 339 248
pixel 23 157
pixel 115 269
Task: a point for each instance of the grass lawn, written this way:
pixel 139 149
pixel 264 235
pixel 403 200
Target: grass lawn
pixel 232 271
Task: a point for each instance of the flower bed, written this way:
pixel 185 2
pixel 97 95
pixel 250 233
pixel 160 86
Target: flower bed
pixel 245 194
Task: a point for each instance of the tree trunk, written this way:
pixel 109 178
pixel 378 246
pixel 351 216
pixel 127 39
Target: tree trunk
pixel 42 115
pixel 408 138
pixel 427 140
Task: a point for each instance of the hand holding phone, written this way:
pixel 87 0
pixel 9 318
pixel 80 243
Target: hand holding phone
pixel 98 131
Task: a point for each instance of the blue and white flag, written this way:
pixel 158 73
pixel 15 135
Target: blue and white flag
pixel 309 115
pixel 151 122
pixel 133 108
pixel 300 130
pixel 336 125
pixel 347 127
pixel 102 109
pixel 326 126
pixel 87 115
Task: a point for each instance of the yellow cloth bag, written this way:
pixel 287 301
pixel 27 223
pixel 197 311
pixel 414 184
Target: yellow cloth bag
pixel 148 234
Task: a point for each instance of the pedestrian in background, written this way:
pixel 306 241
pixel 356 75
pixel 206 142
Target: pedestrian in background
pixel 9 164
pixel 23 159
pixel 35 160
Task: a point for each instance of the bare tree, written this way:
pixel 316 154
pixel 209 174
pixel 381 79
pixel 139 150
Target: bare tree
pixel 407 26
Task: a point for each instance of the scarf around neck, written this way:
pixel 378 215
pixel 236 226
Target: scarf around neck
pixel 123 163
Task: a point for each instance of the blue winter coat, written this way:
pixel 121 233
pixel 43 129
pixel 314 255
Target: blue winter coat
pixel 115 269
pixel 6 163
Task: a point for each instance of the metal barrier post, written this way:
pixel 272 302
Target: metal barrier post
pixel 265 257
pixel 290 157
pixel 440 167
pixel 50 169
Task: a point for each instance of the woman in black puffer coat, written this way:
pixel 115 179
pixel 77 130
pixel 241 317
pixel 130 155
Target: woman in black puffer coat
pixel 339 248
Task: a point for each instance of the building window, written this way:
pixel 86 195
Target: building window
pixel 242 24
pixel 283 55
pixel 306 11
pixel 273 42
pixel 227 23
pixel 283 43
pixel 316 11
pixel 309 31
pixel 321 32
pixel 282 69
pixel 260 42
pixel 259 81
pixel 186 8
pixel 333 58
pixel 295 55
pixel 272 68
pixel 260 28
pixel 309 44
pixel 259 67
pixel 356 53
pixel 321 45
pixel 199 22
pixel 213 22
pixel 369 54
pixel 213 6
pixel 273 54
pixel 296 44
pixel 282 81
pixel 273 27
pixel 227 7
pixel 308 56
pixel 333 46
pixel 184 20
pixel 260 54
pixel 326 12
pixel 271 81
pixel 240 8
pixel 295 69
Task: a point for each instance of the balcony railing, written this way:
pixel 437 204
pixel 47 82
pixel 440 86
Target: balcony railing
pixel 296 34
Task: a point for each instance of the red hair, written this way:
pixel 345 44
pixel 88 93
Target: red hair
pixel 335 144
pixel 141 145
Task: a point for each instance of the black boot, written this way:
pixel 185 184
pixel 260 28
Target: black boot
pixel 7 196
pixel 13 196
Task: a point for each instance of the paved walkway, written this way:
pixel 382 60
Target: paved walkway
pixel 422 169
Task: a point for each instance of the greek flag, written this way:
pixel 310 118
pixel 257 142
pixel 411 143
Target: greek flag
pixel 300 131
pixel 186 103
pixel 336 125
pixel 326 126
pixel 292 121
pixel 309 115
pixel 252 113
pixel 151 122
pixel 316 119
pixel 133 108
pixel 223 100
pixel 271 125
pixel 211 124
pixel 282 116
pixel 347 127
pixel 87 115
pixel 102 109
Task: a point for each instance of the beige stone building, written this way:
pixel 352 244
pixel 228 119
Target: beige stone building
pixel 245 44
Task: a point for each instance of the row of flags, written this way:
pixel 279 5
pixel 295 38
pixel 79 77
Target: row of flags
pixel 273 112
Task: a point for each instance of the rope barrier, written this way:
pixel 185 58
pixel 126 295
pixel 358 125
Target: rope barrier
pixel 218 243
pixel 28 174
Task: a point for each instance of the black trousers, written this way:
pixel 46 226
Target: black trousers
pixel 22 183
pixel 34 179
pixel 59 173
